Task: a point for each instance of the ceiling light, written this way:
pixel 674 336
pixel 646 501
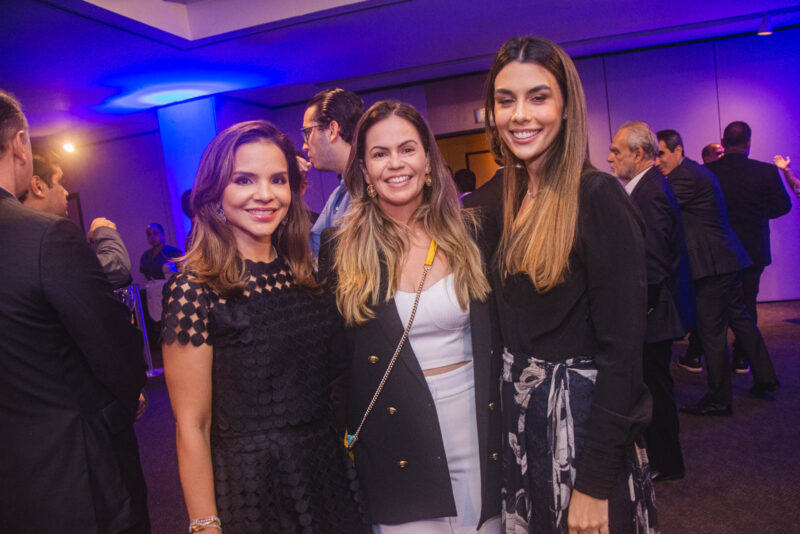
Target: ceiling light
pixel 765 28
pixel 69 147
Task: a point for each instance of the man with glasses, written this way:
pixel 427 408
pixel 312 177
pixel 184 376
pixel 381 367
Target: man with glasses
pixel 329 124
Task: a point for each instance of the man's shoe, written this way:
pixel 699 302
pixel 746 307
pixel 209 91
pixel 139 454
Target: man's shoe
pixel 705 407
pixel 740 367
pixel 762 389
pixel 690 363
pixel 658 476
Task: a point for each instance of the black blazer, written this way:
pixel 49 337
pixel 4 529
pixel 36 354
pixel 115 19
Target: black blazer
pixel 489 198
pixel 670 305
pixel 754 194
pixel 403 425
pixel 71 370
pixel 713 247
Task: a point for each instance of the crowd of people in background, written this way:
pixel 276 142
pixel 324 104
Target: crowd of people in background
pixel 495 359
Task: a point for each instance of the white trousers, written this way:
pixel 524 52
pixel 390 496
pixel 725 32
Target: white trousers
pixel 454 397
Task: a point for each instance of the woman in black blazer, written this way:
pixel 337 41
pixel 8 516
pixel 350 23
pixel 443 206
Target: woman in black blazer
pixel 570 289
pixel 428 451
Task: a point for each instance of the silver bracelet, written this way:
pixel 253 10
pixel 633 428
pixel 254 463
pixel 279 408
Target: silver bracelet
pixel 199 525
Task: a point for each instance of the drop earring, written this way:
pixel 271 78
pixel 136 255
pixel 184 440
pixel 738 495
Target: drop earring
pixel 221 213
pixel 428 179
pixel 371 193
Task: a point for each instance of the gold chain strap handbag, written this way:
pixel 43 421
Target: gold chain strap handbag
pixel 350 439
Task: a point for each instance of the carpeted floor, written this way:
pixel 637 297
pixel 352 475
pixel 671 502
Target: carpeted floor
pixel 743 472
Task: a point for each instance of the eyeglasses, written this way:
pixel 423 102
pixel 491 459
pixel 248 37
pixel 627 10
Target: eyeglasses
pixel 306 132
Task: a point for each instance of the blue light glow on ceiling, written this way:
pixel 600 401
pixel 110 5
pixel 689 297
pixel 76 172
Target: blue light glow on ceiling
pixel 155 89
pixel 170 96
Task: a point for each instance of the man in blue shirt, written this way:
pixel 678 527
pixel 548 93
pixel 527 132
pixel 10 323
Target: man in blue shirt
pixel 329 124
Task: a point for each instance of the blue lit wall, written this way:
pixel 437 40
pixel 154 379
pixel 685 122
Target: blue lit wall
pixel 186 129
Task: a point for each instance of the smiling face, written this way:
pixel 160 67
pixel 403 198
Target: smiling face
pixel 54 197
pixel 667 160
pixel 57 195
pixel 527 110
pixel 257 198
pixel 395 163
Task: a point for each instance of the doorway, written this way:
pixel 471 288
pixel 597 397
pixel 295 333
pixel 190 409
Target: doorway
pixel 469 150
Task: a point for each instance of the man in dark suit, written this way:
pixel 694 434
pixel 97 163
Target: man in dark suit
pixel 754 194
pixel 71 370
pixel 717 258
pixel 670 304
pixel 489 197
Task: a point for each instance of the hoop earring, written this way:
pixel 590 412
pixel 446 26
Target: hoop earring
pixel 428 179
pixel 371 193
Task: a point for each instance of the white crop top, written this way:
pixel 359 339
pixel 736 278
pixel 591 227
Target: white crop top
pixel 441 333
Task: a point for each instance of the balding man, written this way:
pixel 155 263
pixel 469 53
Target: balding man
pixel 712 152
pixel 717 259
pixel 754 194
pixel 670 308
pixel 71 369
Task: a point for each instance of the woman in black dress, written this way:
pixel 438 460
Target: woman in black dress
pixel 247 338
pixel 570 290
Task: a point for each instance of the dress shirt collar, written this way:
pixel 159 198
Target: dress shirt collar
pixel 4 190
pixel 630 186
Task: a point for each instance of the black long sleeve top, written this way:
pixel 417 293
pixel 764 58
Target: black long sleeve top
pixel 599 311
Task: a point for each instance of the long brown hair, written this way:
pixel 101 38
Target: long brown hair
pixel 213 257
pixel 540 242
pixel 368 236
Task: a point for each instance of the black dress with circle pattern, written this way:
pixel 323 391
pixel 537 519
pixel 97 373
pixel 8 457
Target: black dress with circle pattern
pixel 278 463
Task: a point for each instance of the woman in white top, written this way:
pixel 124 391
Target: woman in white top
pixel 427 451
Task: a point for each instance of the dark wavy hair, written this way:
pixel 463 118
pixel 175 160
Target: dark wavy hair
pixel 340 105
pixel 214 258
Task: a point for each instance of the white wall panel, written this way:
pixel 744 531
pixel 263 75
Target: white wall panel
pixel 123 180
pixel 594 86
pixel 671 87
pixel 452 103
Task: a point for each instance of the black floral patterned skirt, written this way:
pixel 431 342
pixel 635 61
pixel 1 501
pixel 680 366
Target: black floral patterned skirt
pixel 545 410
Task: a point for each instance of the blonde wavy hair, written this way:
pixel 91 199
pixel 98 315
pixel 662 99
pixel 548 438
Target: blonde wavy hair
pixel 370 243
pixel 213 257
pixel 539 243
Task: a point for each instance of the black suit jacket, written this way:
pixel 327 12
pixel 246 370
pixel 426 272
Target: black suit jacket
pixel 489 198
pixel 410 430
pixel 713 247
pixel 754 194
pixel 71 370
pixel 670 304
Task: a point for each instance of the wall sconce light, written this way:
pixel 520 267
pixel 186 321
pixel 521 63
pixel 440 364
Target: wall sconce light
pixel 765 28
pixel 69 147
